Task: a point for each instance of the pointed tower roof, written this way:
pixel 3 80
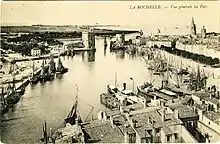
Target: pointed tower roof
pixel 192 21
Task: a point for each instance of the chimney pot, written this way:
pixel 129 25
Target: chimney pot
pixel 176 113
pixel 145 103
pixel 163 115
pixel 124 86
pixel 134 123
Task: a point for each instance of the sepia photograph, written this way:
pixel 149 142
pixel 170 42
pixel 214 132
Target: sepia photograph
pixel 110 72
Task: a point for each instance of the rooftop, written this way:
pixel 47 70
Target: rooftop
pixel 181 100
pixel 215 117
pixel 184 111
pixel 168 92
pixel 103 132
pixel 202 94
pixel 148 120
pixel 206 97
pixel 161 95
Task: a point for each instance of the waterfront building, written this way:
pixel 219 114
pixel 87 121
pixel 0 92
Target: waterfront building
pixel 139 41
pixel 35 51
pixel 207 98
pixel 158 43
pixel 207 106
pixel 193 28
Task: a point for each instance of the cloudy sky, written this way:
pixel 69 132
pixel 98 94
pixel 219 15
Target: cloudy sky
pixel 71 13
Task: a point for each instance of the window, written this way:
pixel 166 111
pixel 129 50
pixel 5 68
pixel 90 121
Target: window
pixel 157 130
pixel 209 123
pixel 176 135
pixel 168 138
pixel 150 132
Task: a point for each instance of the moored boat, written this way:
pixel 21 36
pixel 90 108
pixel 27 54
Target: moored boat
pixel 109 101
pixel 60 68
pixel 72 119
pixel 34 78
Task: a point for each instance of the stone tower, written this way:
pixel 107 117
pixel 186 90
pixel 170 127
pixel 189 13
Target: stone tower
pixel 88 38
pixel 193 28
pixel 203 32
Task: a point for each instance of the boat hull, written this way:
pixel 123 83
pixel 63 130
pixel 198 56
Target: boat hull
pixel 109 101
pixel 65 70
pixel 13 98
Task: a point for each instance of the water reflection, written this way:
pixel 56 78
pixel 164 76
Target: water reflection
pixel 119 54
pixel 83 56
pixel 132 56
pixel 105 52
pixel 91 56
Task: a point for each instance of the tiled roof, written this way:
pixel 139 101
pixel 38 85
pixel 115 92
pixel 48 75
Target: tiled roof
pixel 201 94
pixel 103 132
pixel 212 115
pixel 167 130
pixel 206 97
pixel 142 121
pixel 212 100
pixel 184 111
pixel 201 107
pixel 135 106
pixel 113 112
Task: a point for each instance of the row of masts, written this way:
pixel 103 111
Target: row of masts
pixel 48 71
pixel 161 65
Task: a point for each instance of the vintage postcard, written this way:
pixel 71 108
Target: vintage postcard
pixel 110 72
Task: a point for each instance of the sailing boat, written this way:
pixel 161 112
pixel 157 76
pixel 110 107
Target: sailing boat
pixel 113 89
pixel 3 102
pixel 12 95
pixel 60 68
pixel 34 78
pixel 52 66
pixel 144 89
pixel 43 73
pixel 73 114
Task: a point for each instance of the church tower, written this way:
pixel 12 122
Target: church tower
pixel 193 28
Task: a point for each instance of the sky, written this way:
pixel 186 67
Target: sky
pixel 111 12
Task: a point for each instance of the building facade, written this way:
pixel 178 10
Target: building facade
pixel 35 52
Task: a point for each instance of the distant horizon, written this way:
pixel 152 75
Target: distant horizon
pixel 111 13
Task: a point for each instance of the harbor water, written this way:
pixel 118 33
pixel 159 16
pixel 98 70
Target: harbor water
pixel 52 101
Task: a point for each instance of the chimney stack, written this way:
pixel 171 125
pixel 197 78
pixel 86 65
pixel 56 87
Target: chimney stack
pixel 149 120
pixel 134 122
pixel 176 114
pixel 145 103
pixel 111 120
pixel 126 134
pixel 124 102
pixel 124 86
pixel 121 109
pixel 163 115
pixel 210 95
